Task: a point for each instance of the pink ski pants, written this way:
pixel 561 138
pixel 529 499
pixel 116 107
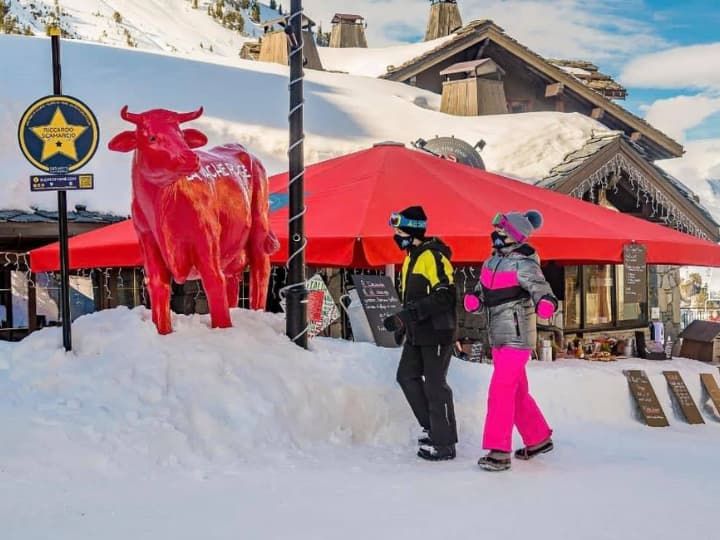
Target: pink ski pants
pixel 510 403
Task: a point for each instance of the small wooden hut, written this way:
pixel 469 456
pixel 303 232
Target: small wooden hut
pixel 701 341
pixel 473 88
pixel 348 31
pixel 275 46
pixel 444 19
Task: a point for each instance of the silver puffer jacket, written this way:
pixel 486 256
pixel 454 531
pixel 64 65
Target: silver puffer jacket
pixel 511 285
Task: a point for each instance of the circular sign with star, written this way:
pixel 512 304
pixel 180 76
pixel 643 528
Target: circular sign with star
pixel 58 134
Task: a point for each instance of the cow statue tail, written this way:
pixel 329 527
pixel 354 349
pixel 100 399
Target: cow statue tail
pixel 263 241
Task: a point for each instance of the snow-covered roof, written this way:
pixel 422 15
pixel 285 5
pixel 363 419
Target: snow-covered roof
pixel 373 62
pixel 246 102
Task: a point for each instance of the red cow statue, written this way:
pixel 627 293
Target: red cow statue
pixel 197 214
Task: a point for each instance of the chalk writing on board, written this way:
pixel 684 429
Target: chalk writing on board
pixel 680 392
pixel 646 399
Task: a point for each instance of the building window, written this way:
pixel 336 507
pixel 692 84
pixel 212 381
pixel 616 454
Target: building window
pixel 599 289
pixel 594 298
pixel 572 297
pixel 518 106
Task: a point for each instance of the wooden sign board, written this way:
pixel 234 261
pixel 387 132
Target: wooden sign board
pixel 682 397
pixel 635 273
pixel 711 387
pixel 645 398
pixel 379 300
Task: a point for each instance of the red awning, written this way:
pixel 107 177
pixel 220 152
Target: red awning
pixel 349 199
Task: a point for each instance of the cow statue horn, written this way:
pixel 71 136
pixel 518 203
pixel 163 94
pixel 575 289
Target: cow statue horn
pixel 128 116
pixel 186 117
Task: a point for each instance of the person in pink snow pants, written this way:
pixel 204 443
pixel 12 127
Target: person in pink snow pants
pixel 513 292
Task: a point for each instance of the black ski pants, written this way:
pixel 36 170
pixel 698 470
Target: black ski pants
pixel 422 376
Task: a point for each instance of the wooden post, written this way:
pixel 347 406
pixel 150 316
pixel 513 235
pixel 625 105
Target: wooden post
pixel 32 304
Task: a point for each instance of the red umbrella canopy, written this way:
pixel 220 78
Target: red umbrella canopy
pixel 111 246
pixel 350 198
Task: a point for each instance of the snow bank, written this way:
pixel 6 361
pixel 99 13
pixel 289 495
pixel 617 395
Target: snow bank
pixel 127 398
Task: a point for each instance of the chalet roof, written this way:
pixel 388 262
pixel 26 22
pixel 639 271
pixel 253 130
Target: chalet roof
pixel 346 17
pixel 483 66
pixel 703 331
pixel 589 74
pixel 476 31
pixel 574 163
pixel 79 215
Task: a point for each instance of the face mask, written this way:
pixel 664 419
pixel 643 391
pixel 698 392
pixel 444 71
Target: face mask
pixel 498 240
pixel 403 242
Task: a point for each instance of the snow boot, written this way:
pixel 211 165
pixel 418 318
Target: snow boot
pixel 437 453
pixel 530 452
pixel 495 461
pixel 424 439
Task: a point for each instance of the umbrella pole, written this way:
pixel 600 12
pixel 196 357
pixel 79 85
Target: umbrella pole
pixel 296 313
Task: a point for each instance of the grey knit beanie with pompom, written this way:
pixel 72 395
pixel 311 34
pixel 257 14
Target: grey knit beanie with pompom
pixel 521 225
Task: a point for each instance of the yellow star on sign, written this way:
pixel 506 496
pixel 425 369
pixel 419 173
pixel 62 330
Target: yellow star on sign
pixel 58 136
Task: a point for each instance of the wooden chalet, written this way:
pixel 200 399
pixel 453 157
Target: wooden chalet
pixel 444 19
pixel 481 70
pixel 348 31
pixel 531 83
pixel 275 47
pixel 21 231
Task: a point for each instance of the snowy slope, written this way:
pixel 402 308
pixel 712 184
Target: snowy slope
pixel 246 102
pixel 160 25
pixel 237 433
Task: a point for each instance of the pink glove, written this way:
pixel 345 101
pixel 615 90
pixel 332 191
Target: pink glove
pixel 545 309
pixel 471 303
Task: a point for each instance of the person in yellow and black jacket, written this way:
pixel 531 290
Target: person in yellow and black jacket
pixel 427 323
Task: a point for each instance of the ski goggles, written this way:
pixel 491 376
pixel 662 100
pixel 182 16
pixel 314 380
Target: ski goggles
pixel 397 220
pixel 500 220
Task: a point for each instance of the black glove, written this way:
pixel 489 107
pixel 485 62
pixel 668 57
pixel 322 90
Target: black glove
pixel 393 323
pixel 399 335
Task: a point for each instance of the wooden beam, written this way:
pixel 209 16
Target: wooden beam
pixel 597 113
pixel 32 304
pixel 559 104
pixel 555 89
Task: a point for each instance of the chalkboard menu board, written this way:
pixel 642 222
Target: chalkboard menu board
pixel 711 389
pixel 635 273
pixel 646 399
pixel 683 398
pixel 379 300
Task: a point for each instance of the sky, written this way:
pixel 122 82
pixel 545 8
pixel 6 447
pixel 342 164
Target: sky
pixel 663 51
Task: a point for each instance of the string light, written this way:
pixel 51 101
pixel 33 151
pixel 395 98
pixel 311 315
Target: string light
pixel 645 193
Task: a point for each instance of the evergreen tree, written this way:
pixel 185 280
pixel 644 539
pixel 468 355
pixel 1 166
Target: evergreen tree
pixel 280 9
pixel 273 4
pixel 245 4
pixel 195 4
pixel 255 12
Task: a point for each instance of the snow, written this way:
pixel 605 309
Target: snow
pixel 158 25
pixel 245 102
pixel 219 433
pixel 574 70
pixel 374 62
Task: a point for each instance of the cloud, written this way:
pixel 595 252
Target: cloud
pixel 597 30
pixel 676 115
pixel 700 163
pixel 694 66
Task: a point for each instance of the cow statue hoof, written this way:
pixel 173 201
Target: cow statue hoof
pixel 197 214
